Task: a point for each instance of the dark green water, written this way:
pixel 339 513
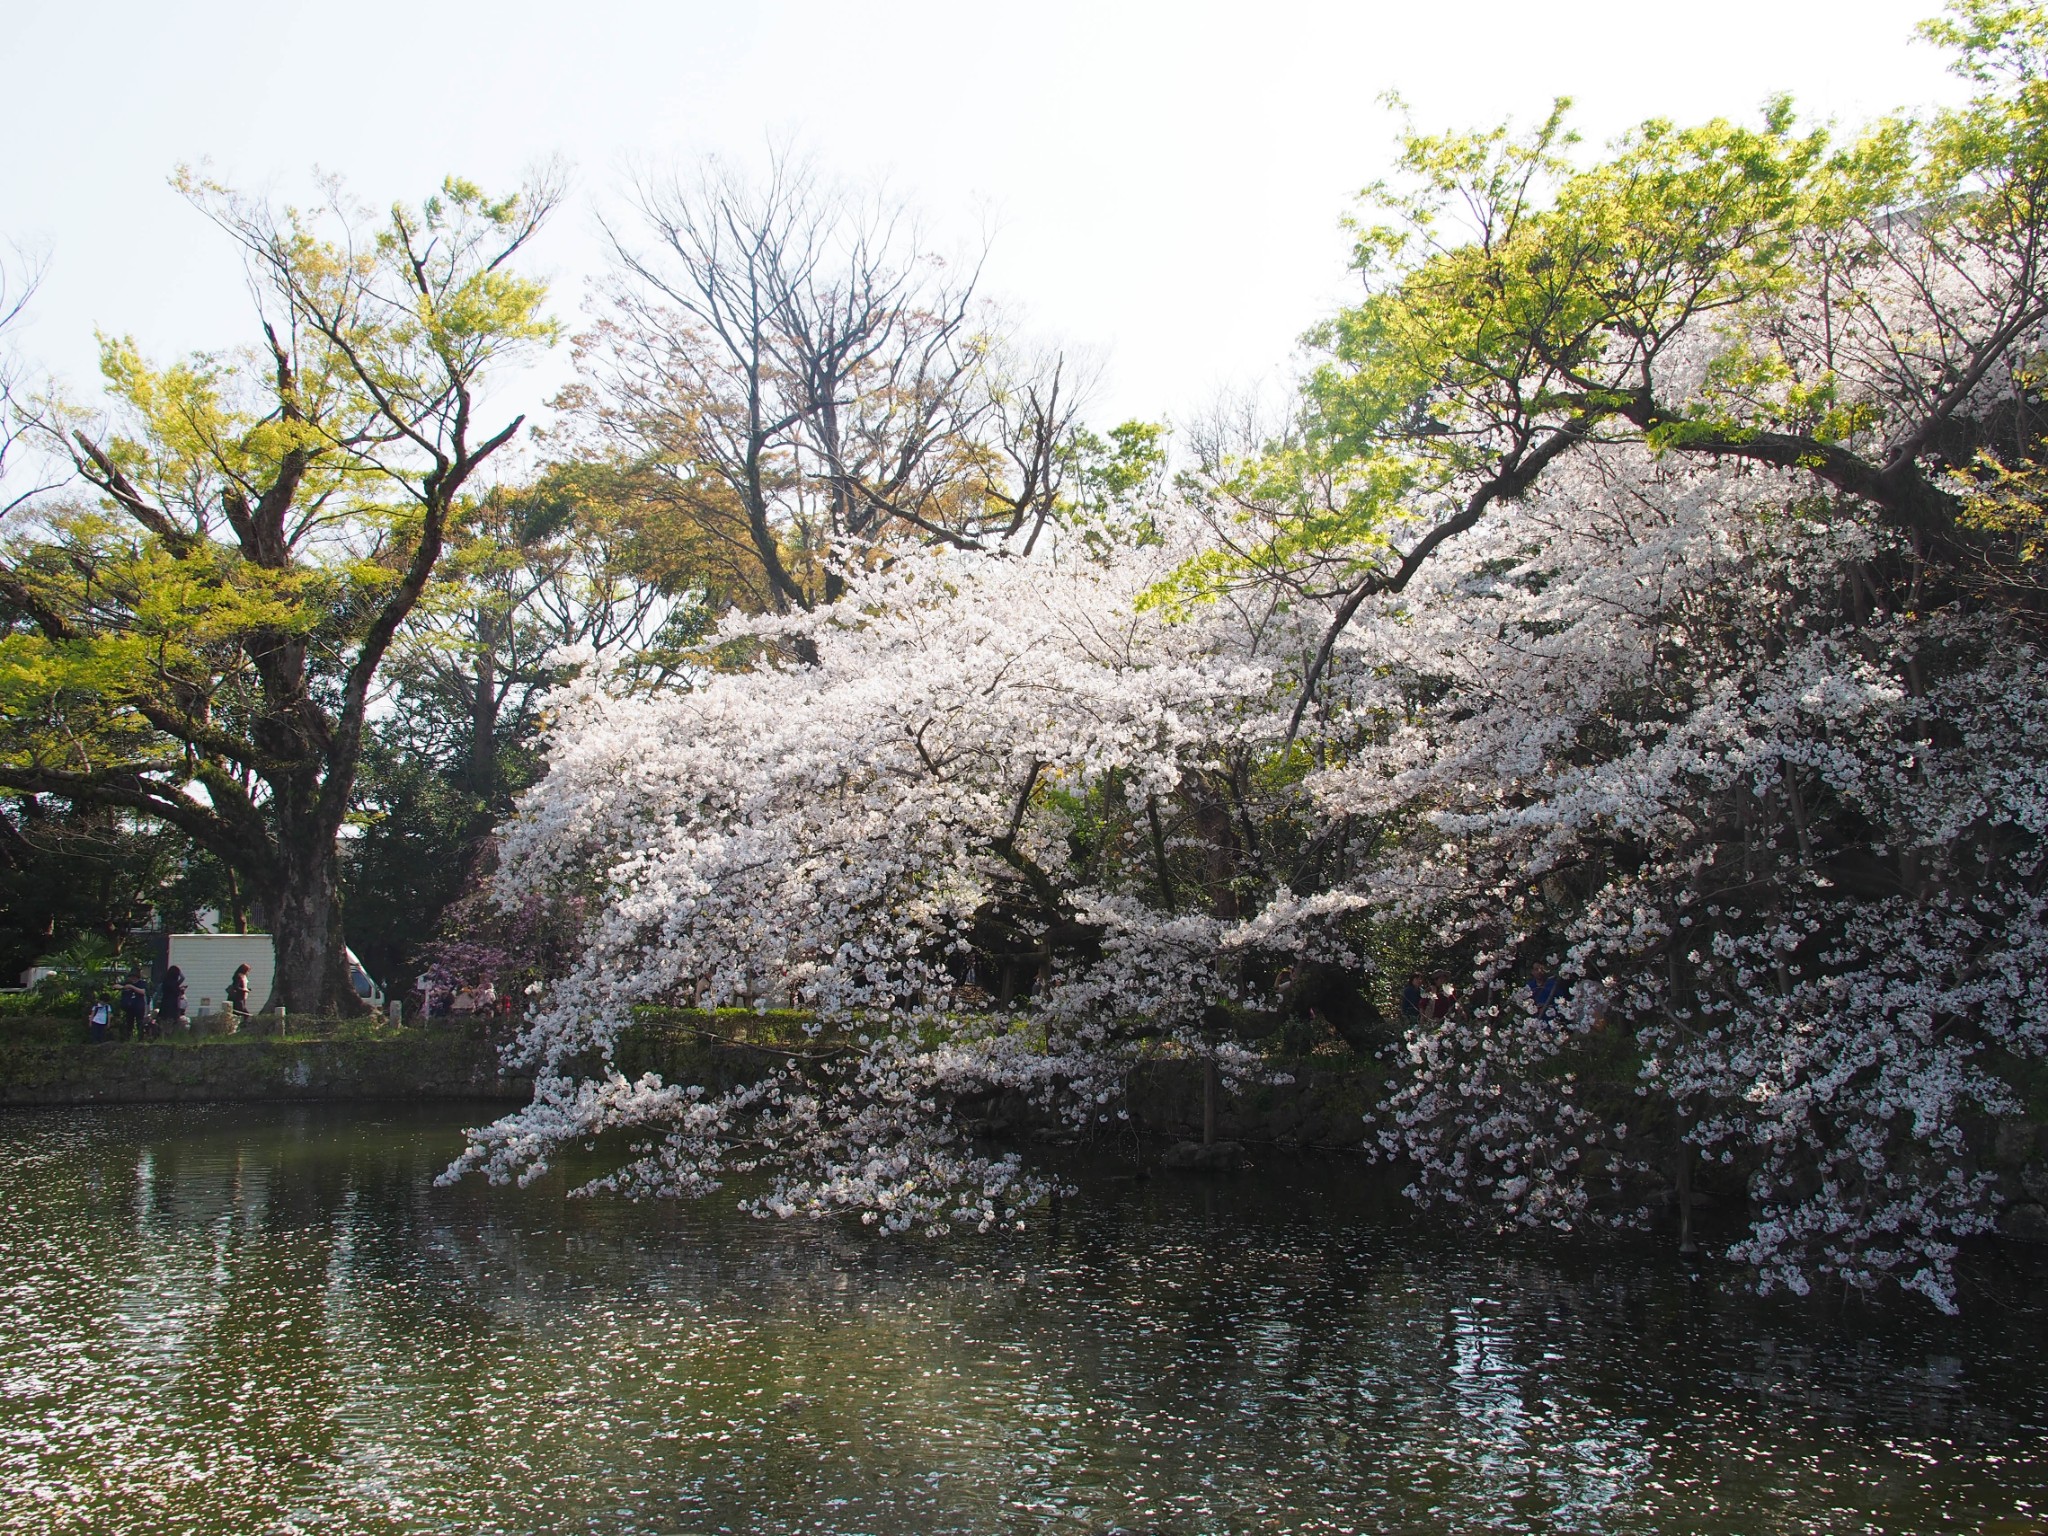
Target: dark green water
pixel 256 1320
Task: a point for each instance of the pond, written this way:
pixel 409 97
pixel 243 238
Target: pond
pixel 250 1319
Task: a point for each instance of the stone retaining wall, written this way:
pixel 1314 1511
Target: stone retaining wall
pixel 412 1067
pixel 1324 1106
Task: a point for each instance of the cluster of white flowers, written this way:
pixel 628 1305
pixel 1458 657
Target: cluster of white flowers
pixel 828 836
pixel 1705 718
pixel 1783 847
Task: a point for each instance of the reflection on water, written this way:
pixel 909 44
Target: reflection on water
pixel 242 1320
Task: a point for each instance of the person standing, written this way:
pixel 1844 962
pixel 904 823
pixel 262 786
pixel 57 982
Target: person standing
pixel 1411 1000
pixel 238 998
pixel 1441 1001
pixel 134 1005
pixel 170 1000
pixel 97 1018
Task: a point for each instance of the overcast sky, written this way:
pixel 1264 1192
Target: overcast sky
pixel 1164 180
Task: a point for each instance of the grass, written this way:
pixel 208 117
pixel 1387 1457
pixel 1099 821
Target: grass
pixel 69 1029
pixel 775 1028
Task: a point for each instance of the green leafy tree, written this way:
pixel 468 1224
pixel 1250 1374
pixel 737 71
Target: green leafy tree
pixel 201 643
pixel 86 970
pixel 1856 313
pixel 576 557
pixel 71 870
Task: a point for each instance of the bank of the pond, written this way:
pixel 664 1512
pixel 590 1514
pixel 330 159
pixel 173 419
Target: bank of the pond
pixel 255 1068
pixel 1321 1106
pixel 1322 1103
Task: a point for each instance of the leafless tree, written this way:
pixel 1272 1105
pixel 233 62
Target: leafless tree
pixel 19 279
pixel 814 383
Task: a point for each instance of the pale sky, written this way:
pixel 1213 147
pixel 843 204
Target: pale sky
pixel 1164 180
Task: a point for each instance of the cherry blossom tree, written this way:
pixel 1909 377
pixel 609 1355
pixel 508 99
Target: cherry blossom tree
pixel 1784 848
pixel 1647 586
pixel 983 746
pixel 1674 519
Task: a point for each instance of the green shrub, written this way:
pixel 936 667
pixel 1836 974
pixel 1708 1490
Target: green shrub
pixel 42 1027
pixel 89 966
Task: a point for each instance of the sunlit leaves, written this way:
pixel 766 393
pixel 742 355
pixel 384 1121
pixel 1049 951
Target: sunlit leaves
pixel 267 517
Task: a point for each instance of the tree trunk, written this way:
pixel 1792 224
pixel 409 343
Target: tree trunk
pixel 483 711
pixel 311 977
pixel 1686 1245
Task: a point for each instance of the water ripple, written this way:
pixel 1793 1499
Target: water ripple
pixel 270 1321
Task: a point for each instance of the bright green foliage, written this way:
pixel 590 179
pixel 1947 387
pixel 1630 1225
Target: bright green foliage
pixel 1708 290
pixel 88 968
pixel 1111 485
pixel 200 643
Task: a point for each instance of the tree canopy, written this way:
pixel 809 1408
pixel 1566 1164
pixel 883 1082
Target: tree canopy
pixel 200 640
pixel 1611 702
pixel 1644 589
